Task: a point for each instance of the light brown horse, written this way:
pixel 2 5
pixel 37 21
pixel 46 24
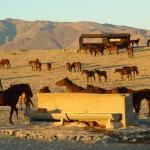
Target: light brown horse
pixel 101 74
pixel 70 86
pixel 35 64
pixel 112 47
pixel 124 71
pixel 68 66
pixel 5 62
pixel 89 74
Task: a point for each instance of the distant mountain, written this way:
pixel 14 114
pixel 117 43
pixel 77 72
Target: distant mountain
pixel 20 34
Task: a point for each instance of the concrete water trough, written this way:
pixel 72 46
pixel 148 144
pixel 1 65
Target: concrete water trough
pixel 111 110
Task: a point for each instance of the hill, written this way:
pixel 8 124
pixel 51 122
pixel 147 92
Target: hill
pixel 20 34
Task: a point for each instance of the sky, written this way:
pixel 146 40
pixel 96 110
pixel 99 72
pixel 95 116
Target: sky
pixel 134 13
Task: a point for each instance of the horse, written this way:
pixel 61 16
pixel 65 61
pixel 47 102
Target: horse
pixel 45 89
pixel 89 74
pixel 95 89
pixel 124 71
pixel 70 86
pixel 148 42
pixel 112 47
pixel 100 74
pixel 10 97
pixel 138 96
pixel 35 64
pixel 76 66
pixel 135 42
pixel 134 70
pixel 130 52
pixel 5 62
pixel 49 66
pixel 68 66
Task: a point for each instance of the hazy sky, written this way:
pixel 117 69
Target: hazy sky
pixel 134 13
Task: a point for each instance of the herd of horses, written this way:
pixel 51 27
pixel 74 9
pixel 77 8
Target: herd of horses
pixel 129 71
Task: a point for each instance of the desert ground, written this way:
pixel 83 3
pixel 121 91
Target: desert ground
pixel 21 72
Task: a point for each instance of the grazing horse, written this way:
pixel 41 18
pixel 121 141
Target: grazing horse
pixel 71 87
pixel 101 74
pixel 130 52
pixel 68 66
pixel 138 96
pixel 49 66
pixel 5 62
pixel 134 42
pixel 76 66
pixel 89 74
pixel 45 89
pixel 148 42
pixel 10 97
pixel 134 70
pixel 124 71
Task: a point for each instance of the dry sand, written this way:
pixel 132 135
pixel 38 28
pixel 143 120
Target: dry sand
pixel 20 72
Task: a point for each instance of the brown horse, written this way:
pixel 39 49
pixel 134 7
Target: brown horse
pixel 10 97
pixel 5 62
pixel 101 74
pixel 148 42
pixel 130 52
pixel 68 66
pixel 95 89
pixel 134 70
pixel 89 74
pixel 134 42
pixel 35 64
pixel 112 47
pixel 76 66
pixel 124 71
pixel 49 66
pixel 70 86
pixel 45 89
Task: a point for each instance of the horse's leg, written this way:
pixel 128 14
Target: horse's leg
pixel 149 109
pixel 99 78
pixel 11 113
pixel 16 109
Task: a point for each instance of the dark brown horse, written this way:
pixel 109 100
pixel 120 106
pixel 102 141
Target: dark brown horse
pixel 76 66
pixel 10 97
pixel 133 42
pixel 5 62
pixel 45 89
pixel 35 64
pixel 49 66
pixel 95 89
pixel 70 86
pixel 124 71
pixel 148 42
pixel 101 74
pixel 89 74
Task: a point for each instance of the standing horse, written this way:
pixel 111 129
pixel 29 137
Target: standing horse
pixel 89 74
pixel 134 42
pixel 10 97
pixel 68 66
pixel 71 87
pixel 130 52
pixel 5 62
pixel 124 71
pixel 134 70
pixel 101 74
pixel 148 42
pixel 49 66
pixel 1 85
pixel 112 47
pixel 76 66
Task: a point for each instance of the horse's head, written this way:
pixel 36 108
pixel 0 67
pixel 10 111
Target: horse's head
pixel 62 82
pixel 45 89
